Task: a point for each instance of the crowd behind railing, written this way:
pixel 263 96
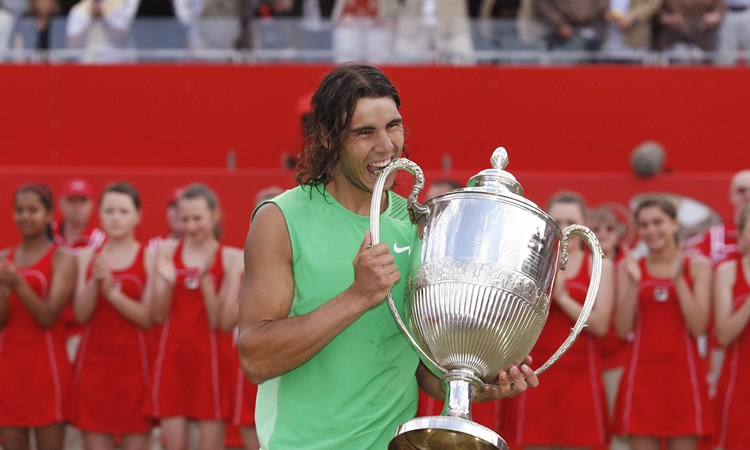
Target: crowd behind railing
pixel 460 32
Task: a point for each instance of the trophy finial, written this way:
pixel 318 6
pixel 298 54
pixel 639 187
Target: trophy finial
pixel 499 159
pixel 497 179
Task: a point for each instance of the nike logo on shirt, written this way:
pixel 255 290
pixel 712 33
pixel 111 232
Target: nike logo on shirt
pixel 398 249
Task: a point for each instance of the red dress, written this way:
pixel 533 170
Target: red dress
pixel 191 377
pixel 113 364
pixel 242 394
pixel 663 391
pixel 733 393
pixel 612 349
pixel 569 407
pixel 34 368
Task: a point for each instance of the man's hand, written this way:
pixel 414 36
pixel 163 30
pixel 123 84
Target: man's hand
pixel 510 383
pixel 375 272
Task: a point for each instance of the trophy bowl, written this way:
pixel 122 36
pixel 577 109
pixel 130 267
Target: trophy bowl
pixel 477 292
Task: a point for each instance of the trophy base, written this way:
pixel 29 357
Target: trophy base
pixel 444 432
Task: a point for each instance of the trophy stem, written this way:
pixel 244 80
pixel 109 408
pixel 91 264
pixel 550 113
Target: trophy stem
pixel 461 386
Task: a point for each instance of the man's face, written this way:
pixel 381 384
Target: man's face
pixel 375 137
pixel 76 209
pixel 739 194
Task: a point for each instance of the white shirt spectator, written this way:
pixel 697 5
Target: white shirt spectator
pixel 6 26
pixel 100 26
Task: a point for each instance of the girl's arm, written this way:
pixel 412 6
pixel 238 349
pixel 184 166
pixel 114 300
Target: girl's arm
pixel 84 301
pixel 230 292
pixel 729 323
pixel 628 279
pixel 695 300
pixel 62 286
pixel 163 275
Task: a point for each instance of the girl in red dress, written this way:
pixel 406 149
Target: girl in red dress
pixel 732 308
pixel 192 279
pixel 112 370
pixel 663 299
pixel 569 406
pixel 36 280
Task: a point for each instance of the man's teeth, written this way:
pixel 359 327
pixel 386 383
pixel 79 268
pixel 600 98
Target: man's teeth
pixel 380 165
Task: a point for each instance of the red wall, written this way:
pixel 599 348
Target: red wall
pixel 583 119
pixel 165 126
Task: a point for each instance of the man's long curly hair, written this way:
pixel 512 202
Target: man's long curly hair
pixel 332 108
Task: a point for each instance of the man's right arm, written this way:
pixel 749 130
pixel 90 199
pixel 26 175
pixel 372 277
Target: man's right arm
pixel 270 342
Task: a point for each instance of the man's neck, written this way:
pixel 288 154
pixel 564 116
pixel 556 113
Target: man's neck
pixel 355 200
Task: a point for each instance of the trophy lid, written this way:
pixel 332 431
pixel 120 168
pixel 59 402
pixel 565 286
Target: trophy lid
pixel 496 179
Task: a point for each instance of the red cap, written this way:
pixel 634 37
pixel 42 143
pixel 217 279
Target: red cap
pixel 175 195
pixel 77 187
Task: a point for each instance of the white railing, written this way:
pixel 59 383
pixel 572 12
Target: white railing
pixel 300 41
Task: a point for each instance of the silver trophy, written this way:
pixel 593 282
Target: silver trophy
pixel 477 292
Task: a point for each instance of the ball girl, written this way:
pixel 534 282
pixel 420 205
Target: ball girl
pixel 112 368
pixel 192 279
pixel 663 299
pixel 37 279
pixel 732 309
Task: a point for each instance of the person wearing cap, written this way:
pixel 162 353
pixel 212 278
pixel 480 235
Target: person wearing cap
pixel 76 231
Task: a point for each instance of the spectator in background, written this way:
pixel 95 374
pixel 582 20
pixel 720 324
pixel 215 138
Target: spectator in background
pixel 16 7
pixel 720 242
pixel 44 11
pixel 433 31
pixel 363 30
pixel 734 32
pixel 574 24
pixel 689 25
pixel 76 230
pixel 102 29
pixel 215 24
pixel 266 194
pixel 630 25
pixel 174 225
pixel 664 300
pixel 6 28
pixel 441 186
pixel 732 309
pixel 37 279
pixel 173 219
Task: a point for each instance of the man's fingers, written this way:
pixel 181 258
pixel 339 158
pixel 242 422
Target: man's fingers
pixel 367 242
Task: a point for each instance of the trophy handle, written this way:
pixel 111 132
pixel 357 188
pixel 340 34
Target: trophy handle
pixel 416 211
pixel 590 239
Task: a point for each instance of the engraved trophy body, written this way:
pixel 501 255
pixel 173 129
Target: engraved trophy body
pixel 477 292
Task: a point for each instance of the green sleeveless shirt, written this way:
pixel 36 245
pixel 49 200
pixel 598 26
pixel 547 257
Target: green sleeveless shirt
pixel 362 385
